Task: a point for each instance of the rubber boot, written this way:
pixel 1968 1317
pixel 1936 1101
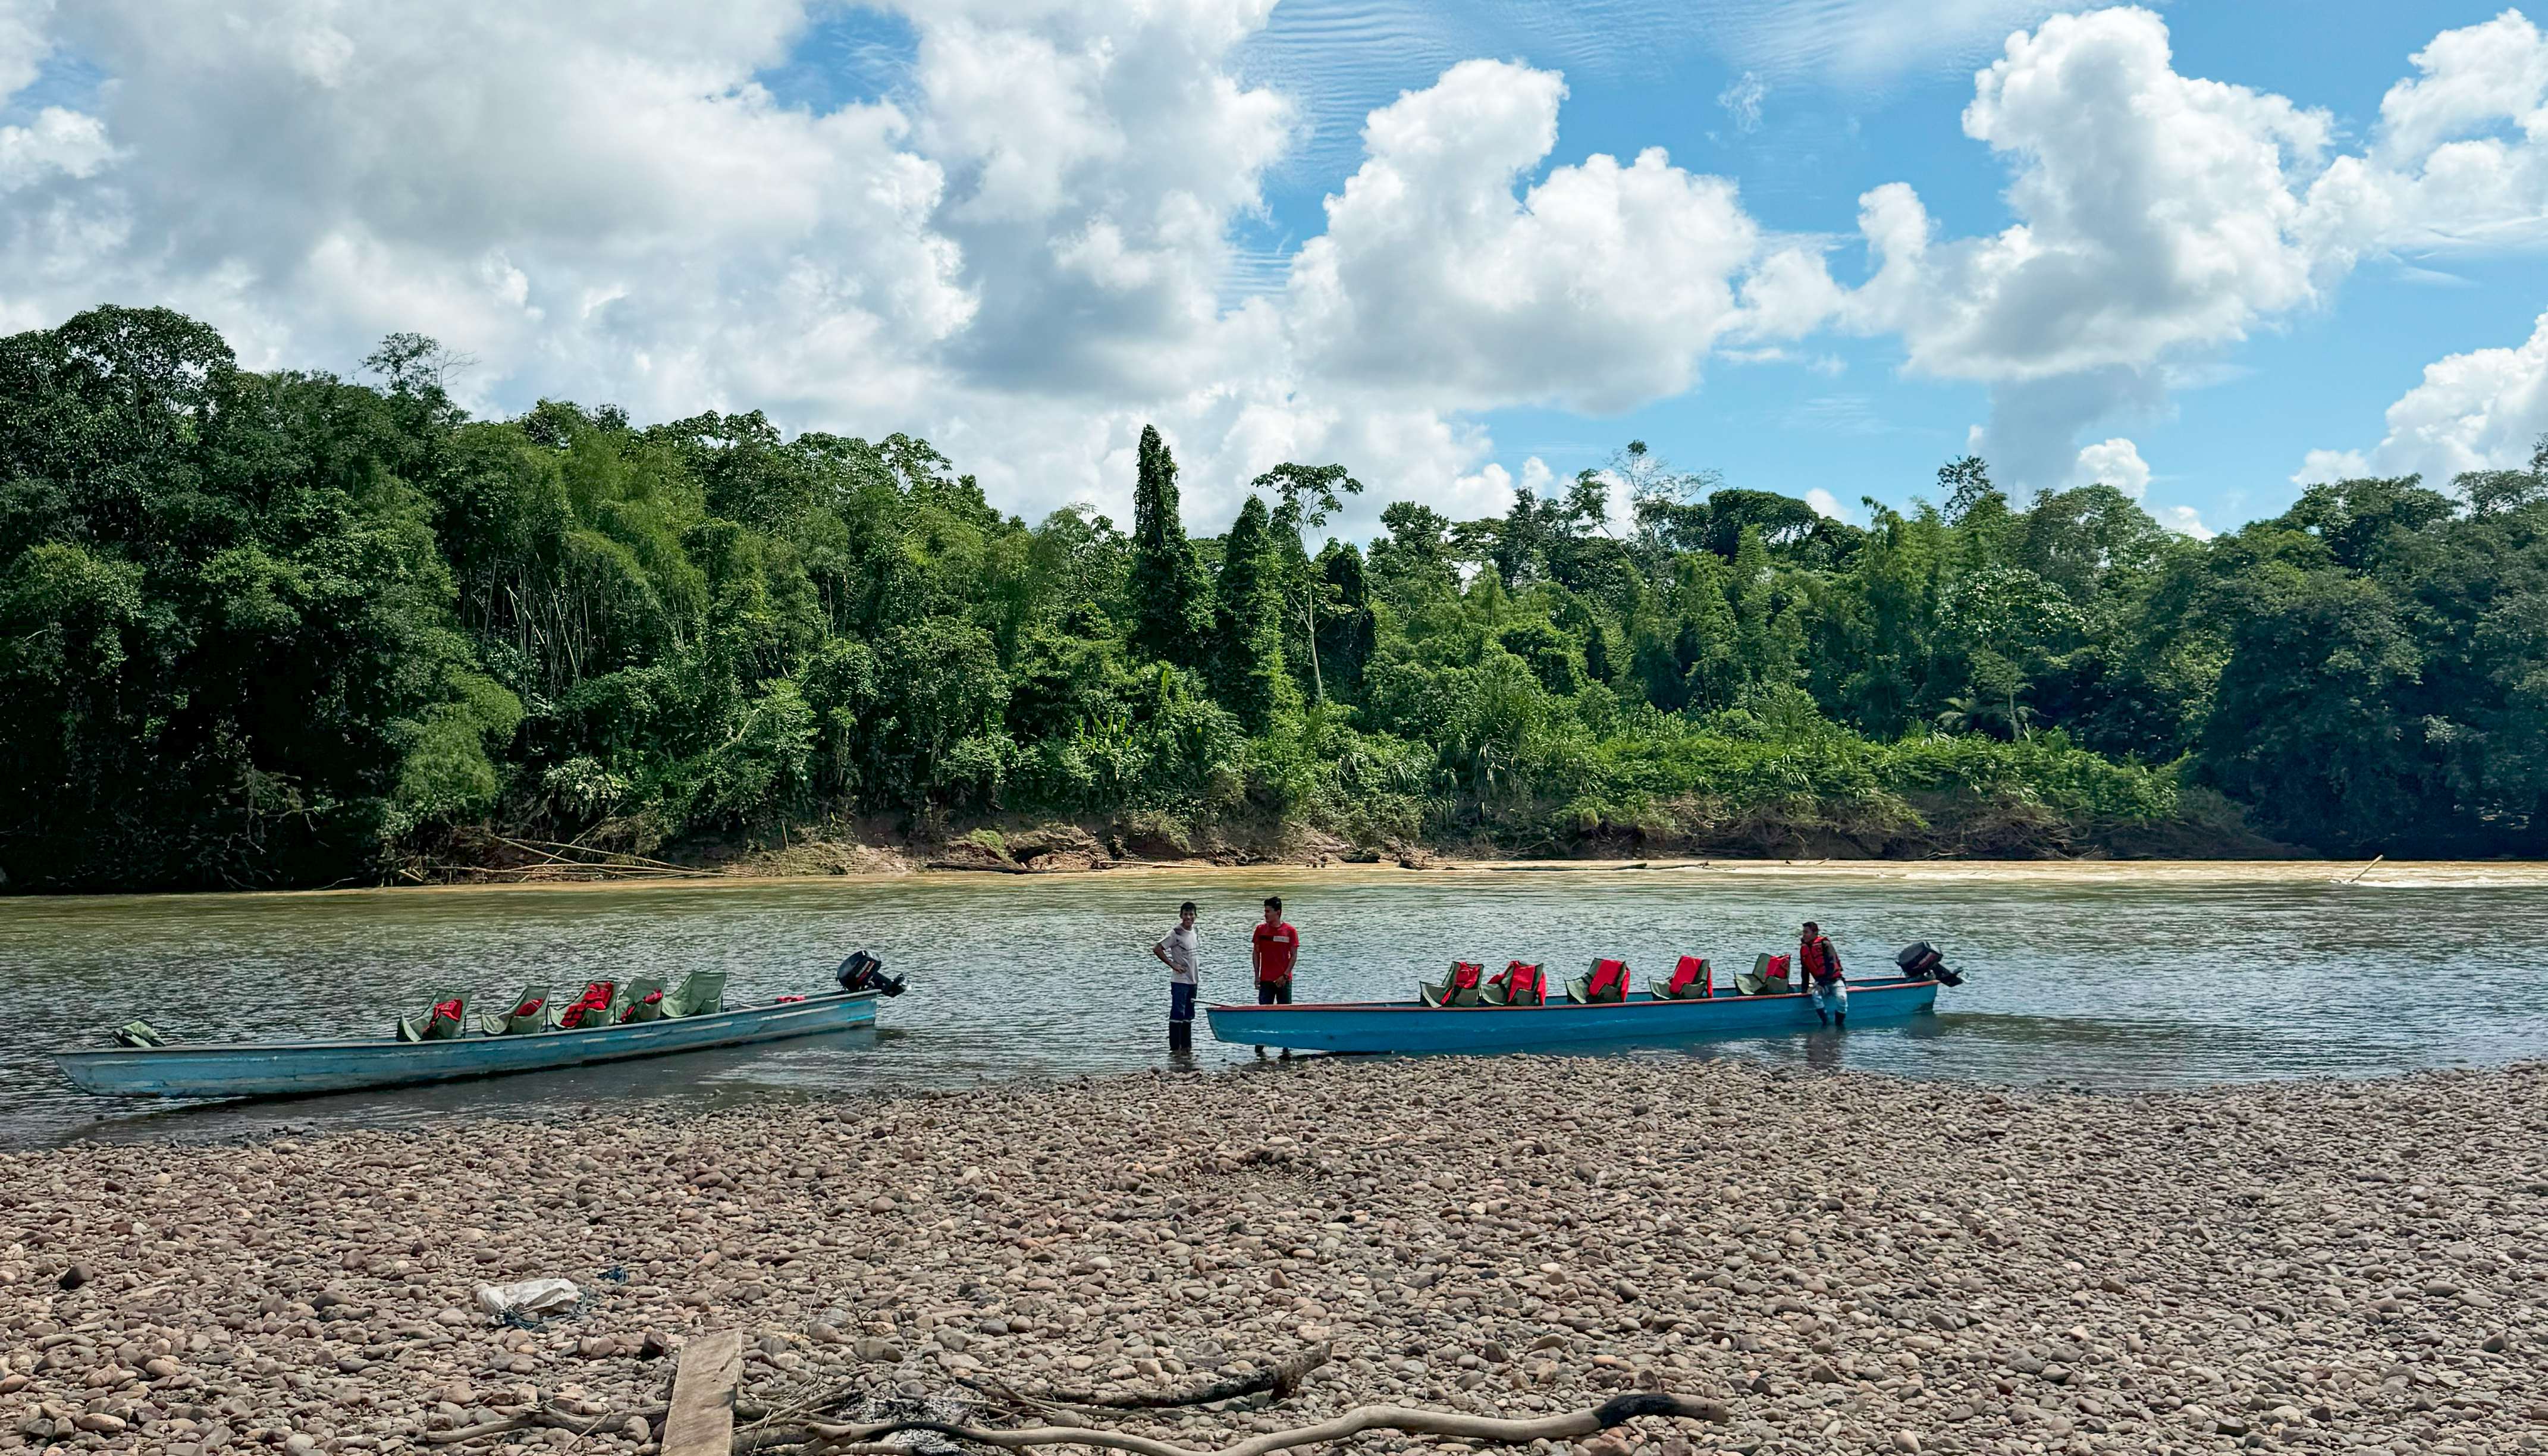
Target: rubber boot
pixel 1840 1020
pixel 1823 1016
pixel 1181 1035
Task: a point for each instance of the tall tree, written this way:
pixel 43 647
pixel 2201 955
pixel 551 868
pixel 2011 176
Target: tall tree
pixel 1969 488
pixel 1308 497
pixel 1349 632
pixel 1248 628
pixel 1173 612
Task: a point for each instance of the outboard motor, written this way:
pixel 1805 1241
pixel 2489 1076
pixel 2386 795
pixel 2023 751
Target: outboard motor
pixel 1921 960
pixel 865 972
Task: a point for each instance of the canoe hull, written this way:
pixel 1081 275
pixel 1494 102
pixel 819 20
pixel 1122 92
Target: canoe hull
pixel 1411 1026
pixel 299 1068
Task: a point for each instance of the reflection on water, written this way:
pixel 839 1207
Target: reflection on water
pixel 2126 977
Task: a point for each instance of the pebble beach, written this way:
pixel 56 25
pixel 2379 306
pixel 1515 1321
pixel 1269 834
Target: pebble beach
pixel 1844 1262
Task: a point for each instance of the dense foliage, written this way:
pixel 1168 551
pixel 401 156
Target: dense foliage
pixel 287 628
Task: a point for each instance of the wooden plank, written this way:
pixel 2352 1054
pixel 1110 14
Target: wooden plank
pixel 701 1420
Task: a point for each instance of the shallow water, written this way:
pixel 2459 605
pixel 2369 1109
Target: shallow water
pixel 2112 978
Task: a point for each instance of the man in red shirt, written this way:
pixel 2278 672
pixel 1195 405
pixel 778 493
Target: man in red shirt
pixel 1277 947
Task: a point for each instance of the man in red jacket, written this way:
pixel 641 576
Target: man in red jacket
pixel 1820 965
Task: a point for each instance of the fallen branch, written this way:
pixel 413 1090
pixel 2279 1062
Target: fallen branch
pixel 1284 1380
pixel 550 844
pixel 863 1440
pixel 642 871
pixel 616 860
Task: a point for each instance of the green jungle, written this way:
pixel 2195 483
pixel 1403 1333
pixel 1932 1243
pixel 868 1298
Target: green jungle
pixel 290 630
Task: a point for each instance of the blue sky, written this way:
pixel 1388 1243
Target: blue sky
pixel 1805 135
pixel 1023 230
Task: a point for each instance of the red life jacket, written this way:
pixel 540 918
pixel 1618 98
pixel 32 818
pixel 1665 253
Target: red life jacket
pixel 651 998
pixel 445 1011
pixel 596 997
pixel 531 1007
pixel 1524 986
pixel 1777 970
pixel 1609 981
pixel 1693 969
pixel 1464 976
pixel 1819 959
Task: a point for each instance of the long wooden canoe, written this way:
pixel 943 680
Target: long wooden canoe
pixel 293 1068
pixel 1412 1026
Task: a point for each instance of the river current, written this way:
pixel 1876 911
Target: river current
pixel 2109 977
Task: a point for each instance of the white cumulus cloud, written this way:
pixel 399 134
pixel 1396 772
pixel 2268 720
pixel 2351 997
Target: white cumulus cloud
pixel 1600 287
pixel 1826 505
pixel 2483 410
pixel 1021 253
pixel 2117 463
pixel 2456 162
pixel 2185 520
pixel 2158 217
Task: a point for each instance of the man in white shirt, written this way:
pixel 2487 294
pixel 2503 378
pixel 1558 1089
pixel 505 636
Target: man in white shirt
pixel 1176 951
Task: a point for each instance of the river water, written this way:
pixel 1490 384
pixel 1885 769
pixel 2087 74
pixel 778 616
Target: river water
pixel 2110 977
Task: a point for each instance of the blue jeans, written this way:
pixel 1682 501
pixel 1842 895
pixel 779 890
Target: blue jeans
pixel 1181 999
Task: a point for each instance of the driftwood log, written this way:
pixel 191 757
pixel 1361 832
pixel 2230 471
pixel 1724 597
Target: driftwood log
pixel 828 1439
pixel 802 1428
pixel 868 1440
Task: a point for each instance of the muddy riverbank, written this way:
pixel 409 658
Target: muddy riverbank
pixel 1847 1262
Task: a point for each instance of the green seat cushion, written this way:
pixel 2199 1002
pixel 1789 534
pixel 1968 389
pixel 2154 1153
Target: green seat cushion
pixel 527 1013
pixel 592 1009
pixel 445 1019
pixel 640 1000
pixel 701 992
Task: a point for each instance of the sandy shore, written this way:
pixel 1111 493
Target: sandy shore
pixel 1848 1263
pixel 2391 874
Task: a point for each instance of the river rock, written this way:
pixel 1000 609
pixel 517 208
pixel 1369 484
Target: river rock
pixel 2308 1264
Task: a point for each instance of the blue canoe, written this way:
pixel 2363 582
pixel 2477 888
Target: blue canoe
pixel 295 1068
pixel 1412 1026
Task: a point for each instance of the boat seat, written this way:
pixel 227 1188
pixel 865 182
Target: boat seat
pixel 1460 988
pixel 1691 980
pixel 589 1010
pixel 1767 977
pixel 441 1022
pixel 529 1014
pixel 1606 982
pixel 701 992
pixel 1521 984
pixel 138 1034
pixel 640 1000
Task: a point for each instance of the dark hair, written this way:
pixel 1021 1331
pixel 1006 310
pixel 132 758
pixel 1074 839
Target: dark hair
pixel 1810 925
pixel 1188 906
pixel 1274 903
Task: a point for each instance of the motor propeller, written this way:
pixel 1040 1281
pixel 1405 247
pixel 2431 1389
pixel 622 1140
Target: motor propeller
pixel 1921 960
pixel 865 972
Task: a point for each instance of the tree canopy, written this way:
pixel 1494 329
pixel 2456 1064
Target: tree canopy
pixel 263 629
